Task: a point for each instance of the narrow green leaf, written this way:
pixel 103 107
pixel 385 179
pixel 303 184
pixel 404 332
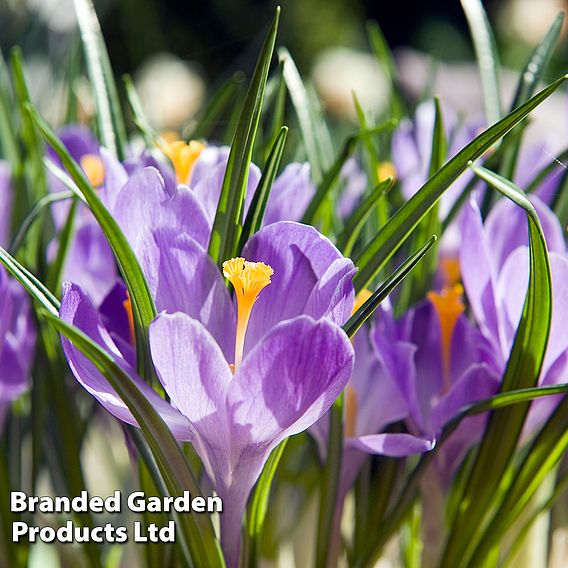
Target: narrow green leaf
pixel 258 204
pixel 384 56
pixel 259 503
pixel 216 105
pixel 34 287
pixel 151 137
pixel 227 226
pixel 318 150
pixel 396 231
pixel 278 110
pixel 537 62
pixel 109 116
pixel 143 307
pixel 352 228
pixel 329 487
pixel 8 135
pixel 196 530
pixel 379 295
pixel 34 215
pixel 522 371
pixel 487 57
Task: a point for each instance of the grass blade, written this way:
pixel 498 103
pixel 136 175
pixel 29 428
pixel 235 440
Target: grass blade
pixel 487 57
pixel 109 117
pixel 227 226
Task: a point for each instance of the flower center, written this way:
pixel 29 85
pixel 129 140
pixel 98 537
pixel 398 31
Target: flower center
pixel 248 279
pixel 128 307
pixel 183 157
pixel 94 170
pixel 385 170
pixel 449 307
pixel 350 412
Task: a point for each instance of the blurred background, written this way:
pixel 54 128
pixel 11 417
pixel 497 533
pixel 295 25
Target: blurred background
pixel 180 52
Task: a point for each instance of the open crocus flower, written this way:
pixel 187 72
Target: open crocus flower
pixel 242 377
pixel 495 268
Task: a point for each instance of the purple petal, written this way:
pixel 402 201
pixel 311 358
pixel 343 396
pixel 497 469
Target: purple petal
pixel 196 376
pixel 183 278
pixel 392 445
pixel 78 310
pixel 143 204
pixel 291 194
pixel 310 277
pixel 355 181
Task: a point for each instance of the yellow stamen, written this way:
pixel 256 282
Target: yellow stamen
pixel 127 304
pixel 449 306
pixel 94 169
pixel 350 411
pixel 183 156
pixel 451 270
pixel 386 170
pixel 361 298
pixel 248 279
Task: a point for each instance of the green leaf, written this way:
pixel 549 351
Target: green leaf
pixel 380 294
pixel 258 204
pixel 34 287
pixel 537 63
pixel 109 115
pixel 151 137
pixel 37 210
pixel 329 487
pixel 354 224
pixel 216 105
pixel 227 226
pixel 8 136
pixel 278 109
pixel 143 307
pixel 196 530
pixel 522 371
pixel 318 149
pixel 395 232
pixel 384 56
pixel 487 57
pixel 259 503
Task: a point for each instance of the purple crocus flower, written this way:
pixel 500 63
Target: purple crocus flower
pixel 240 379
pixel 495 267
pixel 17 331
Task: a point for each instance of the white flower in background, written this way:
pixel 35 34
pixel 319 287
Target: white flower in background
pixel 58 15
pixel 339 72
pixel 171 91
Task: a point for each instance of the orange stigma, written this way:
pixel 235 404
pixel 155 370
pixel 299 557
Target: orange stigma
pixel 449 307
pixel 350 411
pixel 127 304
pixel 183 156
pixel 248 279
pixel 94 169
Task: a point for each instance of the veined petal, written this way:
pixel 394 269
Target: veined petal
pixel 183 278
pixel 78 310
pixel 310 277
pixel 144 204
pixel 196 377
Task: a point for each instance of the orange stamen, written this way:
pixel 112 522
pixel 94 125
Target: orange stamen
pixel 350 411
pixel 183 157
pixel 448 305
pixel 94 169
pixel 127 304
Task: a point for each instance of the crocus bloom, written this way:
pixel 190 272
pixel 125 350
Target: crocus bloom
pixel 495 267
pixel 17 331
pixel 295 357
